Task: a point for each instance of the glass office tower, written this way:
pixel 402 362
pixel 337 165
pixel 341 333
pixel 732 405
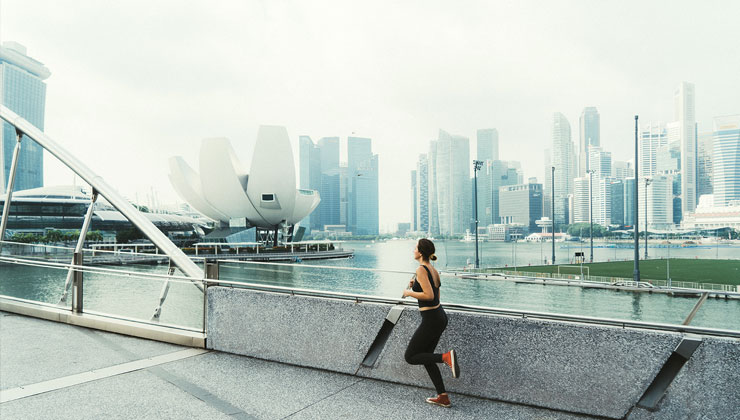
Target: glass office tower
pixel 23 90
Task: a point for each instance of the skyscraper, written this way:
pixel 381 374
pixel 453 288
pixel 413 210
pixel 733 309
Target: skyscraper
pixel 310 177
pixel 329 190
pixel 704 177
pixel 617 199
pixel 521 204
pixel 422 193
pixel 366 198
pixel 652 136
pixel 414 225
pixel 726 159
pixel 563 159
pixel 432 181
pixel 23 90
pixel 580 200
pixel 685 115
pixel 589 125
pixel 362 170
pixel 487 144
pixel 453 183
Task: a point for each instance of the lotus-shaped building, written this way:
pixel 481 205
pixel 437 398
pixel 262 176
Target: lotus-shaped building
pixel 266 197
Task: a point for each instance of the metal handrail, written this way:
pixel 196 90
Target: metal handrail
pixel 94 269
pixel 385 300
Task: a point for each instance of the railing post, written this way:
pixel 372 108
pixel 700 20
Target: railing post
pixel 77 301
pixel 80 244
pixel 11 182
pixel 212 270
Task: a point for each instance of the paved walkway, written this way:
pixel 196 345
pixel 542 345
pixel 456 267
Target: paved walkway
pixel 50 370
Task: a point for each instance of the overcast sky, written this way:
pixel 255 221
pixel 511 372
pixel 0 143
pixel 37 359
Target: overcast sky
pixel 135 82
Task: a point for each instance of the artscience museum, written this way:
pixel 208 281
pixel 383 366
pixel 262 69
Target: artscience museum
pixel 265 196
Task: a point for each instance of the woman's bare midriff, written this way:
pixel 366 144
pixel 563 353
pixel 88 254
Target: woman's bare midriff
pixel 429 308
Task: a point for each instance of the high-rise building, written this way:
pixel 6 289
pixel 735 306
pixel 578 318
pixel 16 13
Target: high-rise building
pixel 453 183
pixel 629 201
pixel 652 136
pixel 494 174
pixel 414 226
pixel 422 191
pixel 580 200
pixel 432 181
pixel 602 201
pixel 487 144
pixel 685 114
pixel 329 190
pixel 23 90
pixel 600 162
pixel 726 160
pixel 589 125
pixel 617 202
pixel 362 170
pixel 310 177
pixel 659 203
pixel 521 204
pixel 563 159
pixel 704 169
pixel 366 198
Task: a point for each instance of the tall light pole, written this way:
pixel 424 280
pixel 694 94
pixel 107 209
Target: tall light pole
pixel 591 211
pixel 634 209
pixel 476 167
pixel 552 213
pixel 647 182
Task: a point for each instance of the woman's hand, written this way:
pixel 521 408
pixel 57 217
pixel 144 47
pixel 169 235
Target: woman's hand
pixel 411 284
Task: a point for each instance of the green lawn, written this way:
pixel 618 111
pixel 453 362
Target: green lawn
pixel 702 271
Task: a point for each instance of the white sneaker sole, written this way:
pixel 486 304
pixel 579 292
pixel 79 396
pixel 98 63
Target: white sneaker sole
pixel 453 362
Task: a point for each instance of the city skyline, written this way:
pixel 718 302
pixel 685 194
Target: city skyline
pixel 129 72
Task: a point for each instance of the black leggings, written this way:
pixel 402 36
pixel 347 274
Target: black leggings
pixel 421 347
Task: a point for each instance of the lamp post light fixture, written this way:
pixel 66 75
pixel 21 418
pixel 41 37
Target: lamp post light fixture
pixel 648 181
pixel 476 167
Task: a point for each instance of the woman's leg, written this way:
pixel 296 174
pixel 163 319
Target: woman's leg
pixel 422 345
pixel 420 350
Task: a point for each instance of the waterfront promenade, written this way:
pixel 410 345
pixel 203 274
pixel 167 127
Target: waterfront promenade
pixel 53 370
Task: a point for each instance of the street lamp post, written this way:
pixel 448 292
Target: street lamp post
pixel 591 212
pixel 552 214
pixel 635 215
pixel 647 182
pixel 476 167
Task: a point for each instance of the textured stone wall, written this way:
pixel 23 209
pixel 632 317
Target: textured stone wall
pixel 591 369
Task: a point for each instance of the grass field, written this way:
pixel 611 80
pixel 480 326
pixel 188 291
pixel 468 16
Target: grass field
pixel 702 271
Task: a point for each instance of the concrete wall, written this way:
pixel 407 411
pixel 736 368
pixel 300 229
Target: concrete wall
pixel 596 370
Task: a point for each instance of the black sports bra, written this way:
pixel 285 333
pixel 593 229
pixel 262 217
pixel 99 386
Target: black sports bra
pixel 417 288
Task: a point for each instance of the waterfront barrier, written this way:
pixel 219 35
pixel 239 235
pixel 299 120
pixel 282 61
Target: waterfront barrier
pixel 599 370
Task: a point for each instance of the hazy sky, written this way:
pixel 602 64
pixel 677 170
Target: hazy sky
pixel 135 82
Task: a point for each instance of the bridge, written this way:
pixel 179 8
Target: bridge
pixel 267 351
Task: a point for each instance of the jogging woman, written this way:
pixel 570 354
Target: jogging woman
pixel 425 288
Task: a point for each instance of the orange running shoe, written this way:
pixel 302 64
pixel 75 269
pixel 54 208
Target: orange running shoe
pixel 442 400
pixel 450 359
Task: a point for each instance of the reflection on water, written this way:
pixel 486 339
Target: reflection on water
pixel 136 297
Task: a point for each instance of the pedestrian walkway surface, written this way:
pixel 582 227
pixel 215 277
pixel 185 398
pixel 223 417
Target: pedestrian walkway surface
pixel 50 370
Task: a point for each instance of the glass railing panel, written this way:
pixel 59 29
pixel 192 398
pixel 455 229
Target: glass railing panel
pixel 132 292
pixel 36 283
pixel 717 313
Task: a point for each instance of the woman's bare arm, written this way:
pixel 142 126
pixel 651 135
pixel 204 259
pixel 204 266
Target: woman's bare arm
pixel 426 286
